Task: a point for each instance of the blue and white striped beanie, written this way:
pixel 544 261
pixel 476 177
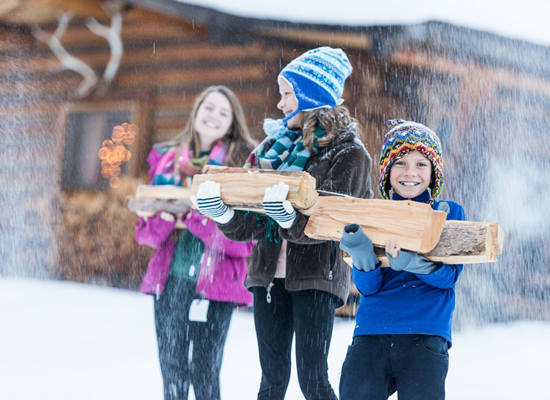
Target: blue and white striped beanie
pixel 318 78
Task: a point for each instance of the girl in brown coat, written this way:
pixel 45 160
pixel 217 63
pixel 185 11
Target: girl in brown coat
pixel 298 282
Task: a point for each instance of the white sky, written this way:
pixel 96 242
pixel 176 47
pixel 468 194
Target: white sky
pixel 520 19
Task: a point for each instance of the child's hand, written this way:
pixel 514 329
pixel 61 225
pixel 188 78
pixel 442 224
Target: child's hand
pixel 359 247
pixel 277 206
pixel 408 261
pixel 166 216
pixel 392 249
pixel 209 202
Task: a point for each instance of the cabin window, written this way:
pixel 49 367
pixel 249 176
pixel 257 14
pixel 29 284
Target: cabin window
pixel 85 134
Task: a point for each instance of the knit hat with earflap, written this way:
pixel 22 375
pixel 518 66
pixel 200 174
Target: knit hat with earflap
pixel 405 137
pixel 317 78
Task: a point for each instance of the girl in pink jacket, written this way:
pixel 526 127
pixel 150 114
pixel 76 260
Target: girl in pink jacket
pixel 196 274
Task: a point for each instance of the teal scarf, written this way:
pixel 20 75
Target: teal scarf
pixel 283 149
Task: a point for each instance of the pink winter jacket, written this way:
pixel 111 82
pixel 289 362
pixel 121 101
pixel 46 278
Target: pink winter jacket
pixel 223 264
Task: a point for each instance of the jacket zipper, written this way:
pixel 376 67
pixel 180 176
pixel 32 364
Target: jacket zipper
pixel 268 296
pixel 332 259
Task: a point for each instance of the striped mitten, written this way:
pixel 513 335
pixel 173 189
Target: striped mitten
pixel 278 207
pixel 209 202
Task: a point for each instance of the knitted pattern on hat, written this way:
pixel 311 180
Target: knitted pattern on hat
pixel 317 78
pixel 406 137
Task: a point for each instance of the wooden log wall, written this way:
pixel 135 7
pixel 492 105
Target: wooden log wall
pixel 166 63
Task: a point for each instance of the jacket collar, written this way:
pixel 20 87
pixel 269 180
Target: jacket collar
pixel 421 198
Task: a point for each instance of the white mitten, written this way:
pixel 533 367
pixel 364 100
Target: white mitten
pixel 209 202
pixel 278 207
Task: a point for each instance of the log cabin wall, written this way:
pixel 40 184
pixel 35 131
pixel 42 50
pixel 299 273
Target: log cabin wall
pixel 86 235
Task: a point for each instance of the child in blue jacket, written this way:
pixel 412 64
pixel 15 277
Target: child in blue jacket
pixel 403 323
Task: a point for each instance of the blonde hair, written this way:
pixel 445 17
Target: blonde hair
pixel 238 139
pixel 333 121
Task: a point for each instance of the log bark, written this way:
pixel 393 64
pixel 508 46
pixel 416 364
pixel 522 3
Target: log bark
pixel 173 199
pixel 243 188
pixel 464 242
pixel 163 192
pixel 415 226
pixel 176 206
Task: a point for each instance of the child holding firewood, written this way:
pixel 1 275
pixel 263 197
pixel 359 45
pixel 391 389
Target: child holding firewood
pixel 298 282
pixel 403 323
pixel 196 274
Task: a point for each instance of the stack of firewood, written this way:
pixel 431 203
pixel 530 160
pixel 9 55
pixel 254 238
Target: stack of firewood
pixel 96 239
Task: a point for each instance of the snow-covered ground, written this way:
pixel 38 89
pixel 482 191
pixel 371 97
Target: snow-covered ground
pixel 71 341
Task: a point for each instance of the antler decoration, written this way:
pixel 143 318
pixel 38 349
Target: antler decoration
pixel 68 61
pixel 111 34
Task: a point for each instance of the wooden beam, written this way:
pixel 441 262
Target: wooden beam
pixel 162 54
pixel 32 12
pixel 196 76
pixel 320 37
pixel 415 226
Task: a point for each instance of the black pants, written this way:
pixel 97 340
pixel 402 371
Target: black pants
pixel 310 315
pixel 175 333
pixel 378 365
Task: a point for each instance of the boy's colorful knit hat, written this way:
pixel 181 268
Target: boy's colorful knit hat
pixel 405 137
pixel 317 77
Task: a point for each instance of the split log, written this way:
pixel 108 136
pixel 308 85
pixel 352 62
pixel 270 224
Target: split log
pixel 458 242
pixel 163 192
pixel 173 199
pixel 414 226
pixel 135 204
pixel 462 242
pixel 244 189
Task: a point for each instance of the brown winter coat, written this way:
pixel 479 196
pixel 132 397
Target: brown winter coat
pixel 341 167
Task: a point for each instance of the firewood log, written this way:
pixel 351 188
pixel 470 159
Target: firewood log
pixel 244 189
pixel 414 226
pixel 173 199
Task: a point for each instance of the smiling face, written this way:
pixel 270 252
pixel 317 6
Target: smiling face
pixel 288 103
pixel 213 119
pixel 411 175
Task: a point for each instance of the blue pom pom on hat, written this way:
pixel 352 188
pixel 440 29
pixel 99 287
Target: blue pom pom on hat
pixel 317 78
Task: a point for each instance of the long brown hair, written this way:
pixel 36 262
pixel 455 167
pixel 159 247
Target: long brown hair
pixel 238 138
pixel 333 121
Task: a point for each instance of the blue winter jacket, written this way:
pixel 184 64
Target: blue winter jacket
pixel 399 302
